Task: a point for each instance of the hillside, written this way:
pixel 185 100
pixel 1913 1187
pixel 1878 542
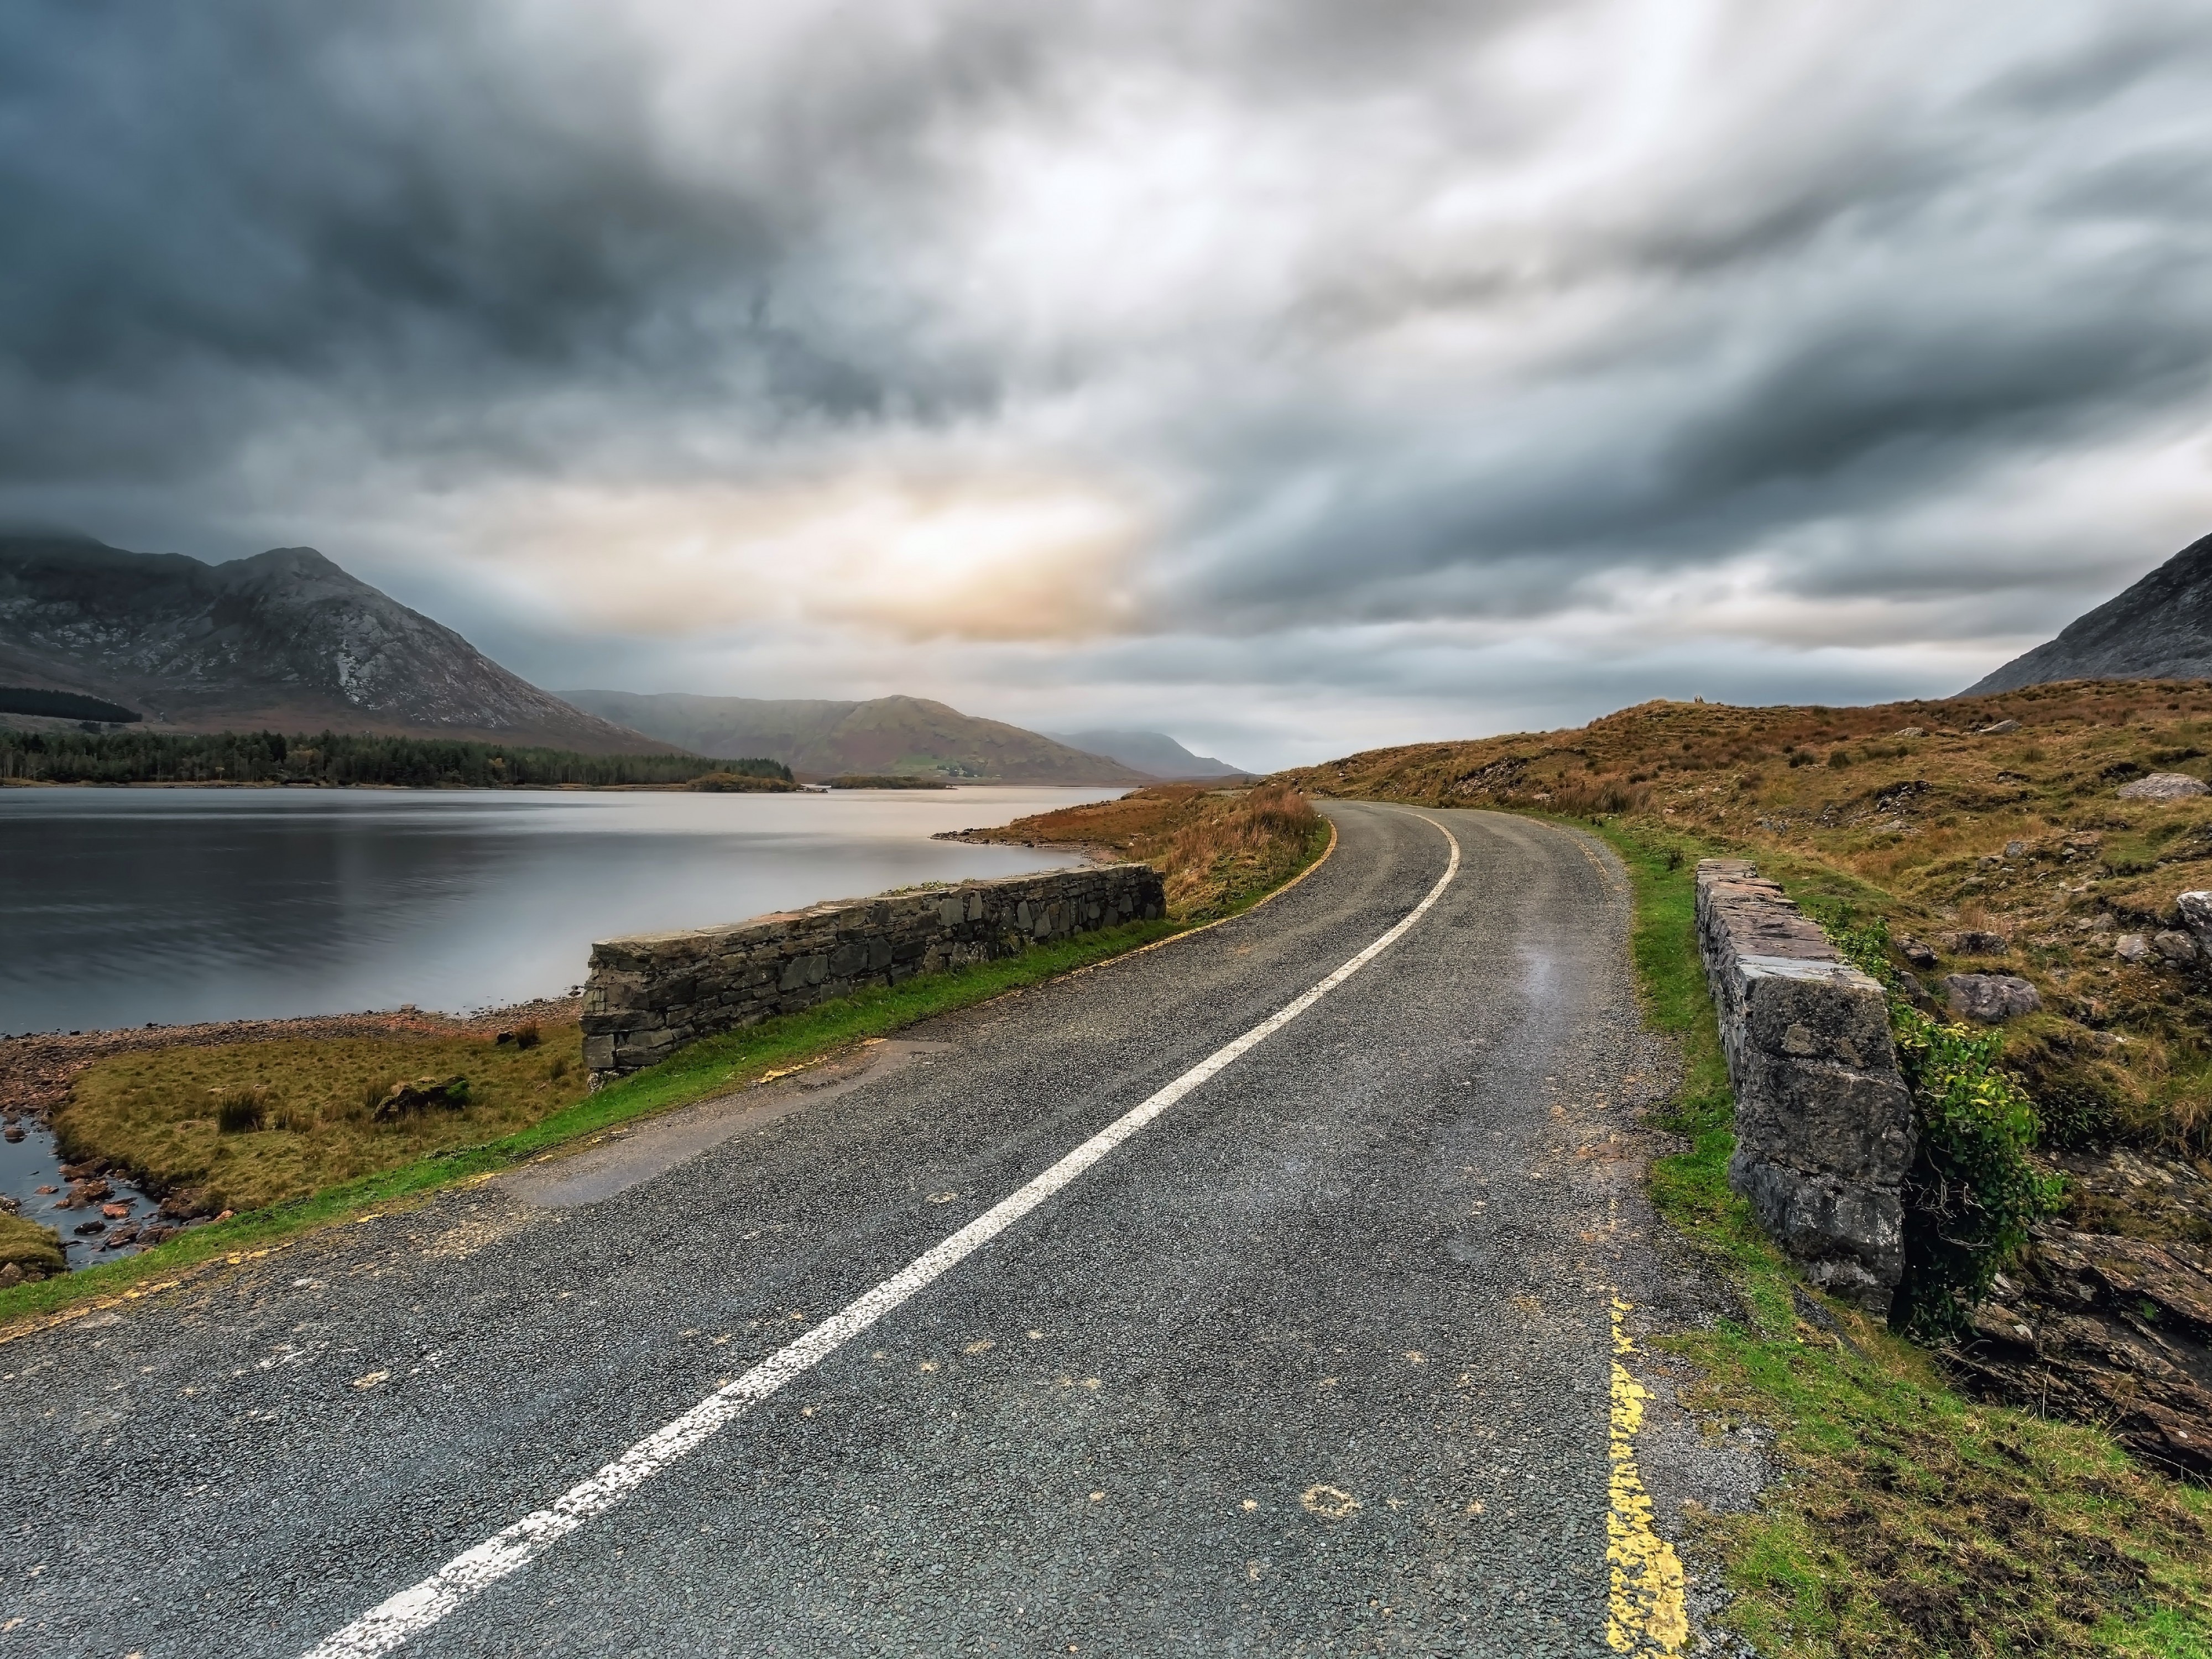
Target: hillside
pixel 822 739
pixel 2044 834
pixel 2159 630
pixel 1918 801
pixel 1154 752
pixel 284 641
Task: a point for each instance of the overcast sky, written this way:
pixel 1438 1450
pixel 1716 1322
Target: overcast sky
pixel 1293 377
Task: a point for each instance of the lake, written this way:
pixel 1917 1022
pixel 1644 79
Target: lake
pixel 118 907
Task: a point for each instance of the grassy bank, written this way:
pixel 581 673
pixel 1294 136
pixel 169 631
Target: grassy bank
pixel 1217 850
pixel 1909 1521
pixel 26 1245
pixel 246 1125
pixel 1992 831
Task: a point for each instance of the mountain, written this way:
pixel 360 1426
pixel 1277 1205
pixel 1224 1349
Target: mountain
pixel 284 639
pixel 2159 630
pixel 1155 752
pixel 822 739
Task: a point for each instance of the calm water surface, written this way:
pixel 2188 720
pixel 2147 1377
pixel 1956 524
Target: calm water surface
pixel 118 907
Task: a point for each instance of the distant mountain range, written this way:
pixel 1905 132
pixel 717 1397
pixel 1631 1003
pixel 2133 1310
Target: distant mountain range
pixel 1149 751
pixel 284 639
pixel 821 739
pixel 2159 630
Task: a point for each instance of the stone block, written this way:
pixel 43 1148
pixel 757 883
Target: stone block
pixel 1824 1128
pixel 647 994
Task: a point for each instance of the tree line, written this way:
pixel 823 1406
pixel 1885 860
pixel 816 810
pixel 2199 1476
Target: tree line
pixel 333 760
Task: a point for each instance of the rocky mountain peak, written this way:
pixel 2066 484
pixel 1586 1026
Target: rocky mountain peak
pixel 286 639
pixel 2159 630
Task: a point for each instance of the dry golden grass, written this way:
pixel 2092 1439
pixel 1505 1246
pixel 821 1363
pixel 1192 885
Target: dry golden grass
pixel 1918 827
pixel 159 1115
pixel 27 1245
pixel 1214 849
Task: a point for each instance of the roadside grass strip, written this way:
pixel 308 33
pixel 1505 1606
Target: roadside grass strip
pixel 402 1617
pixel 1906 1520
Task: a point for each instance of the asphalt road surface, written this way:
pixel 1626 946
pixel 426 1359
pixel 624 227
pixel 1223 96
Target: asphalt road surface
pixel 1319 1359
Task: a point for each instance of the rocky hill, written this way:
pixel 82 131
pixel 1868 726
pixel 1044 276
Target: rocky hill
pixel 2159 630
pixel 285 639
pixel 822 740
pixel 1155 752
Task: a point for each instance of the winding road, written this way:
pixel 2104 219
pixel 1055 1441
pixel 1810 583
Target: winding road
pixel 1259 1293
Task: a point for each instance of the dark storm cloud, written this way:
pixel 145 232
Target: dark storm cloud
pixel 424 202
pixel 1402 311
pixel 1830 344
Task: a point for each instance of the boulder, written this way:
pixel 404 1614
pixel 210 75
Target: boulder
pixel 2178 948
pixel 1914 951
pixel 1990 998
pixel 1976 942
pixel 424 1093
pixel 2163 785
pixel 2131 948
pixel 2195 913
pixel 2000 728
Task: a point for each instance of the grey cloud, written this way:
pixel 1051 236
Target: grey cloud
pixel 464 243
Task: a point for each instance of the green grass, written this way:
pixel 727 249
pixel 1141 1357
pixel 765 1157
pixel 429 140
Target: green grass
pixel 697 1073
pixel 1908 1520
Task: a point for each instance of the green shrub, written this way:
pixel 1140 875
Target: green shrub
pixel 2077 1114
pixel 1973 1191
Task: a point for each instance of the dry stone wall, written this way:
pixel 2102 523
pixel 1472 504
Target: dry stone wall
pixel 1824 1124
pixel 648 995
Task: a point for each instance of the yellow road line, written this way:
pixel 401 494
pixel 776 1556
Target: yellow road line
pixel 1644 1612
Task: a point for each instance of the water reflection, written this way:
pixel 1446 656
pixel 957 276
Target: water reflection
pixel 121 906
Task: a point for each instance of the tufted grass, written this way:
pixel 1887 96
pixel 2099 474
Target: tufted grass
pixel 301 1109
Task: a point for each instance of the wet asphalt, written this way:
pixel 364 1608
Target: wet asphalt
pixel 1317 1364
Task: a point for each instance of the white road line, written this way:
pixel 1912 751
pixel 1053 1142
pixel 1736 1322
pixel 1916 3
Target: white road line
pixel 412 1611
